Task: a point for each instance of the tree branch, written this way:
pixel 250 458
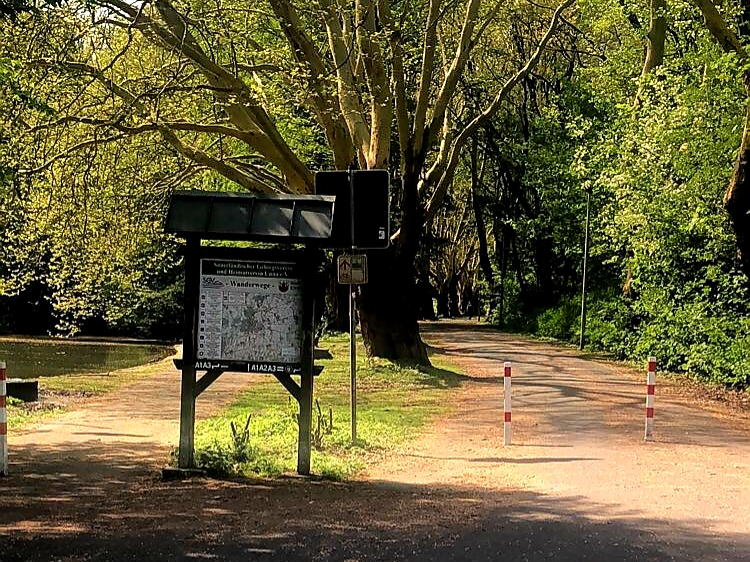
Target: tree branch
pixel 447 175
pixel 325 106
pixel 349 99
pixel 455 71
pixel 70 150
pixel 381 107
pixel 725 36
pixel 398 77
pixel 425 77
pixel 243 111
pixel 248 181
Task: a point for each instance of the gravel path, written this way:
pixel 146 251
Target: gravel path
pixel 578 438
pixel 125 434
pixel 577 484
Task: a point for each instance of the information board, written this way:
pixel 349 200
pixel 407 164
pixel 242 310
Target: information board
pixel 250 316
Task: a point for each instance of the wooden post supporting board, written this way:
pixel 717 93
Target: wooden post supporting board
pixel 305 423
pixel 304 443
pixel 3 424
pixel 187 395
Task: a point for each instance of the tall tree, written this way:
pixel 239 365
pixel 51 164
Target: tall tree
pixel 212 82
pixel 737 196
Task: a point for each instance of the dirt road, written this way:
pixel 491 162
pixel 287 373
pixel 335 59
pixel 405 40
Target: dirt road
pixel 577 484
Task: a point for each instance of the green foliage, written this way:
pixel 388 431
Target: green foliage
pixel 13 8
pixel 560 322
pixel 663 273
pixel 81 205
pixel 322 425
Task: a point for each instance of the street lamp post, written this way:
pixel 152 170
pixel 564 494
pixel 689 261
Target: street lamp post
pixel 585 263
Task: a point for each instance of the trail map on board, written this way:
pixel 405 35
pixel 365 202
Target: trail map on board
pixel 250 314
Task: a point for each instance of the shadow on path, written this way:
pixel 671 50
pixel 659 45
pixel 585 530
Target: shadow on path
pixel 58 516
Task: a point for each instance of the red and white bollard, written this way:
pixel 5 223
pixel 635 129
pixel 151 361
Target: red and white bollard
pixel 506 405
pixel 650 387
pixel 3 424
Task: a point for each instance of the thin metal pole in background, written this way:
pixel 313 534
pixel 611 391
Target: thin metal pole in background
pixel 585 263
pixel 650 391
pixel 507 416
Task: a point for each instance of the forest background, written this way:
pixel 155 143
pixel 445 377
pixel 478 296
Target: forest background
pixel 498 120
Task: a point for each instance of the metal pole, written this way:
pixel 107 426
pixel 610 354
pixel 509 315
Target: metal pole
pixel 352 327
pixel 507 416
pixel 585 263
pixel 650 387
pixel 353 363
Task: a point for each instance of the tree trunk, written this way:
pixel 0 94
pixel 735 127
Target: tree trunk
pixel 337 300
pixel 453 306
pixel 339 319
pixel 501 293
pixel 387 304
pixel 388 310
pixel 546 289
pixel 484 255
pixel 498 231
pixel 657 33
pixel 517 266
pixel 424 296
pixel 469 303
pixel 443 302
pixel 655 39
pixel 737 197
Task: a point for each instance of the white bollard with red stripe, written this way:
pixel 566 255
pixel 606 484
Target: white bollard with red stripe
pixel 650 388
pixel 3 424
pixel 507 431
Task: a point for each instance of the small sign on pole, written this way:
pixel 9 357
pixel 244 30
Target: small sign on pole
pixel 352 269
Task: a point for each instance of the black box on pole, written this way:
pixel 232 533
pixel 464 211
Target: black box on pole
pixel 363 194
pixel 338 185
pixel 371 203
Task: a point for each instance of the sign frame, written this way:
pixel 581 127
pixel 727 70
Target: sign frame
pixel 191 387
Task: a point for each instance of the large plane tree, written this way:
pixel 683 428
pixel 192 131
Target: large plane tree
pixel 262 94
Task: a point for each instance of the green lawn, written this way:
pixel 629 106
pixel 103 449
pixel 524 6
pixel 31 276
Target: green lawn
pixel 394 403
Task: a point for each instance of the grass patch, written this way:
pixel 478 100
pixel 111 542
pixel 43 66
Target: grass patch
pixel 58 394
pixel 393 403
